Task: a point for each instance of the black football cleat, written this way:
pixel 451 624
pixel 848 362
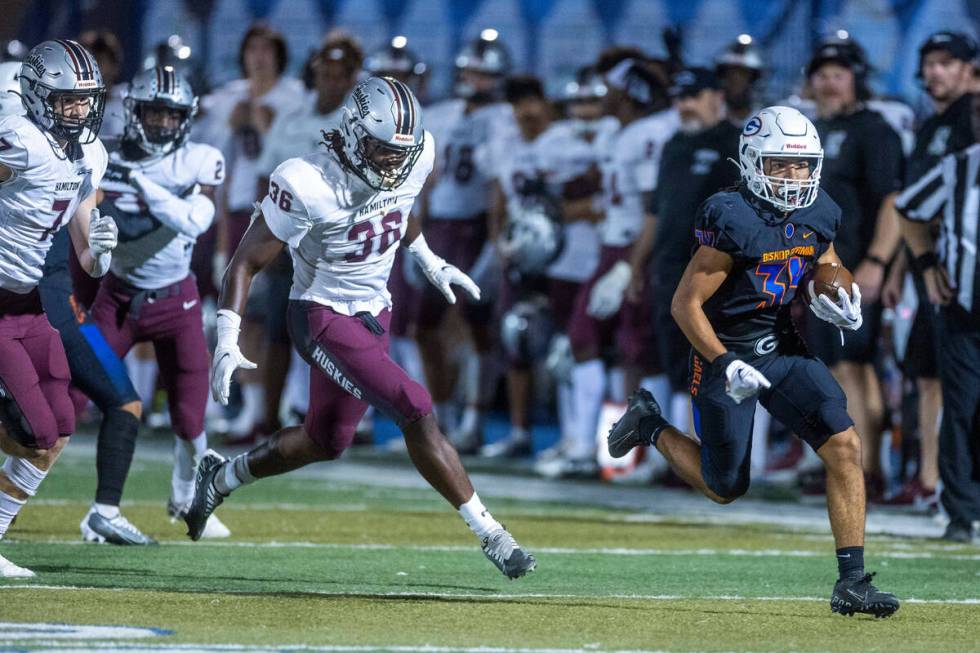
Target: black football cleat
pixel 860 595
pixel 506 554
pixel 206 495
pixel 640 425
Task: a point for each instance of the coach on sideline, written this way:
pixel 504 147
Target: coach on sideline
pixel 950 193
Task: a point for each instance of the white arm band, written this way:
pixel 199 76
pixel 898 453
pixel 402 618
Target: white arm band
pixel 191 216
pixel 428 259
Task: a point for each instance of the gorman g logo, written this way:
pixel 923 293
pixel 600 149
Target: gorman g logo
pixel 765 345
pixel 753 126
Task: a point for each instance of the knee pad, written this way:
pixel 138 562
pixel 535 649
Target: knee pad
pixel 414 402
pixel 25 476
pixel 829 420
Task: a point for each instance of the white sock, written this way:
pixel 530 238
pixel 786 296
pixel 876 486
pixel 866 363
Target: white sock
pixel 405 352
pixel 567 416
pixel 107 511
pixel 617 385
pixel 298 385
pixel 253 400
pixel 588 392
pixel 182 479
pixel 760 440
pixel 477 517
pixel 9 507
pixel 471 421
pixel 234 475
pixel 680 412
pixel 143 372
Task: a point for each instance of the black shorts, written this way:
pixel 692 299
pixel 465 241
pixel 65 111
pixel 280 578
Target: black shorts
pixel 95 368
pixel 922 353
pixel 861 346
pixel 804 396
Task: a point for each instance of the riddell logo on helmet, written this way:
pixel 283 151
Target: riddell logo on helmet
pixel 795 146
pixel 402 138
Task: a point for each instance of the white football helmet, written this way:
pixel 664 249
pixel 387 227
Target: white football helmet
pixel 783 133
pixel 382 132
pixel 63 69
pixel 161 87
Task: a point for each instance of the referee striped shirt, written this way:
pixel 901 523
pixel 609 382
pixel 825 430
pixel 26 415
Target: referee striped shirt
pixel 950 191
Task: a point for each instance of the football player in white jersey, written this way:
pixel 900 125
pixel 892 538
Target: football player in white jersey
pixel 343 213
pixel 335 69
pixel 456 221
pixel 637 97
pixel 159 188
pixel 51 163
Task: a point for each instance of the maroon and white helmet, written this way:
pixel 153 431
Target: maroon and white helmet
pixel 780 132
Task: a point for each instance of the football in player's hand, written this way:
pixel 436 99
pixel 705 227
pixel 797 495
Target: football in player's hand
pixel 828 278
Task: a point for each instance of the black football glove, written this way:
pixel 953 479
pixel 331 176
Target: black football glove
pixel 117 173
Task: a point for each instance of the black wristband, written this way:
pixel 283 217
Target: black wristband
pixel 721 363
pixel 877 260
pixel 925 261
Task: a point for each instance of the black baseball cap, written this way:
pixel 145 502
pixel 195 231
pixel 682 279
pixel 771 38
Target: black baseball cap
pixel 691 81
pixel 959 45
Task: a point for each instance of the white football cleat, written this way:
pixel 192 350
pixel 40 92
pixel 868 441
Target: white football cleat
pixel 214 529
pixel 10 570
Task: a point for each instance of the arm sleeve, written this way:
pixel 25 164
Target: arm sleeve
pixel 926 198
pixel 191 216
pixel 714 229
pixel 284 210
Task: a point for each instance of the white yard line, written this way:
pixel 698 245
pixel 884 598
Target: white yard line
pixel 499 596
pixel 610 551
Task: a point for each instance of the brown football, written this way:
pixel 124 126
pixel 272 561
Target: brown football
pixel 828 277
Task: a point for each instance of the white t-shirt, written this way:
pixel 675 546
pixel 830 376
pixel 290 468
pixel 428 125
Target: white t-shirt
pixel 294 134
pixel 242 149
pixel 342 235
pixel 629 169
pixel 152 255
pixel 466 159
pixel 40 198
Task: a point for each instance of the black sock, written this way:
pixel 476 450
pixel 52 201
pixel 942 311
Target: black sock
pixel 850 562
pixel 650 428
pixel 117 440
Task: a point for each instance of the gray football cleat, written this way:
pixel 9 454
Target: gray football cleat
pixel 118 530
pixel 505 553
pixel 206 495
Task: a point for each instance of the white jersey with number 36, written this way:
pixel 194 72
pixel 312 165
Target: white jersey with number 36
pixel 341 233
pixel 40 198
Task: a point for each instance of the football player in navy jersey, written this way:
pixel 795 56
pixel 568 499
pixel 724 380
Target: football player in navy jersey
pixel 733 303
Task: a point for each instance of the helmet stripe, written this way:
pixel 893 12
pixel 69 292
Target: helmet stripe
pixel 406 121
pixel 156 71
pixel 399 107
pixel 409 104
pixel 81 59
pixel 171 80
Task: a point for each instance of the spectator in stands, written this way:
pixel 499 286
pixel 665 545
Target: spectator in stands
pixel 862 172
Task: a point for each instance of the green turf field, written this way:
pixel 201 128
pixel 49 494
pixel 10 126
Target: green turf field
pixel 314 562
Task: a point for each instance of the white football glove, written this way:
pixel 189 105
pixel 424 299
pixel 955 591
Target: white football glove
pixel 607 294
pixel 845 315
pixel 227 356
pixel 440 274
pixel 103 234
pixel 743 381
